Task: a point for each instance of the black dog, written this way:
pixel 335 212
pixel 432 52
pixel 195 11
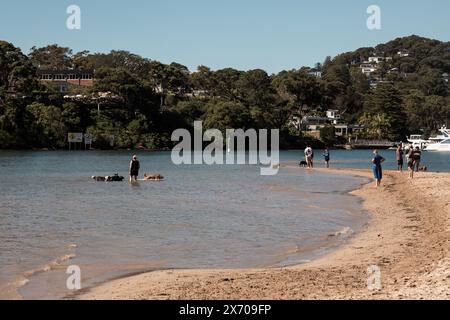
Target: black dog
pixel 114 178
pixel 303 164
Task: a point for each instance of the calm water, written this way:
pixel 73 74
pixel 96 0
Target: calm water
pixel 52 215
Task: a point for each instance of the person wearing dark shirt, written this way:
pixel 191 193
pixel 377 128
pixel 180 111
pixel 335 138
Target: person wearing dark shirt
pixel 327 157
pixel 417 157
pixel 134 169
pixel 399 155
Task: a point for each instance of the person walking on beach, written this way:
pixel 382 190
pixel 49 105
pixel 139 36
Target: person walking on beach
pixel 399 155
pixel 309 155
pixel 417 157
pixel 134 169
pixel 410 157
pixel 326 156
pixel 376 167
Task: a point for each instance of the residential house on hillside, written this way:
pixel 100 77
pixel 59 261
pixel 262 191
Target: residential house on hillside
pixel 344 130
pixel 403 53
pixel 368 68
pixel 379 60
pixel 64 79
pixel 315 73
pixel 334 116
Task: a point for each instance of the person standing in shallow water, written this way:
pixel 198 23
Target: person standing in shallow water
pixel 134 169
pixel 309 155
pixel 377 168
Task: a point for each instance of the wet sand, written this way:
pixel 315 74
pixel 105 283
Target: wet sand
pixel 407 238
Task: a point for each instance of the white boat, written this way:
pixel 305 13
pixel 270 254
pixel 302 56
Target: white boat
pixel 445 134
pixel 441 142
pixel 416 140
pixel 440 146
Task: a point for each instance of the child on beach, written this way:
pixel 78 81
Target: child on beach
pixel 376 167
pixel 326 155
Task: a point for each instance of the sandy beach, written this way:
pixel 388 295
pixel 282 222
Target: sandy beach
pixel 407 238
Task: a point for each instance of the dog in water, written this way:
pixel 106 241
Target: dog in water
pixel 114 178
pixel 303 164
pixel 153 177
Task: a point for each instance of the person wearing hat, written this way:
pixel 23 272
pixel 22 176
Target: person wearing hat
pixel 134 169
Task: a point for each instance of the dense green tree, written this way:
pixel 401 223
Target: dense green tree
pixel 47 125
pixel 227 115
pixel 432 84
pixel 51 57
pixel 386 99
pixel 17 75
pixel 328 135
pixel 378 126
pixel 300 89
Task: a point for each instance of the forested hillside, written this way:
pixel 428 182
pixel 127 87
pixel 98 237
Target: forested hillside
pixel 404 91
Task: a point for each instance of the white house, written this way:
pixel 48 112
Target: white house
pixel 403 53
pixel 379 60
pixel 334 116
pixel 316 74
pixel 368 68
pixel 310 123
pixel 344 129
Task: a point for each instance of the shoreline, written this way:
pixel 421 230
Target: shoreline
pixel 407 238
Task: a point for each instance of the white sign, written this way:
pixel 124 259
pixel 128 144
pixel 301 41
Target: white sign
pixel 87 139
pixel 75 137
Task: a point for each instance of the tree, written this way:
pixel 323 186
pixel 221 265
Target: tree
pixel 254 89
pixel 386 99
pixel 227 115
pixel 124 84
pixel 17 75
pixel 224 84
pixel 52 57
pixel 300 89
pixel 202 79
pixel 377 125
pixel 328 135
pixel 48 127
pixel 433 84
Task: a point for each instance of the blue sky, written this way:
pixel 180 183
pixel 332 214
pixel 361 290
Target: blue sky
pixel 243 34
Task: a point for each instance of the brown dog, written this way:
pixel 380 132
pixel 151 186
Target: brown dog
pixel 153 177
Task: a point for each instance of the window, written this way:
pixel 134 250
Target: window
pixel 86 77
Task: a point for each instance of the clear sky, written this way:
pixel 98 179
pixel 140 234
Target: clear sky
pixel 245 34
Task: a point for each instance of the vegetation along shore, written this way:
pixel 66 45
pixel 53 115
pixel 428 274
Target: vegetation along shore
pixel 126 101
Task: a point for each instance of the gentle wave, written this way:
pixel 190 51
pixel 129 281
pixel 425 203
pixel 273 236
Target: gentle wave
pixel 23 280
